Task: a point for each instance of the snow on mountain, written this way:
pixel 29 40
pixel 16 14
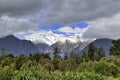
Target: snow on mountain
pixel 51 38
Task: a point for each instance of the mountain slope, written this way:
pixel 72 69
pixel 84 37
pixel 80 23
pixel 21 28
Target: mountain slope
pixel 66 48
pixel 15 46
pixel 104 43
pixel 43 48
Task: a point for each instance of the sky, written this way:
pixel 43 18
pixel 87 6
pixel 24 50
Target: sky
pixel 91 18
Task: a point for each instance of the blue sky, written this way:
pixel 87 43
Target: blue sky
pixel 54 28
pixel 59 25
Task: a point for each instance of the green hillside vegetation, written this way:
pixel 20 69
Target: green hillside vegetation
pixel 92 65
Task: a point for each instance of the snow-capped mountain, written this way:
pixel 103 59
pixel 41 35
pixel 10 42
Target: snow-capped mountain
pixel 51 38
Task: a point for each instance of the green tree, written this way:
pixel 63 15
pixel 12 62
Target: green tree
pixel 115 49
pixel 20 61
pixel 46 55
pixel 106 68
pixel 56 62
pixel 99 53
pixel 65 57
pixel 91 51
pixel 49 65
pixel 75 57
pixel 3 53
pixel 35 57
pixel 84 57
pixel 10 55
pixel 56 52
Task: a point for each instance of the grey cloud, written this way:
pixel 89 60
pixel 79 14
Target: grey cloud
pixel 73 11
pixel 54 11
pixel 10 25
pixel 21 7
pixel 104 28
pixel 64 11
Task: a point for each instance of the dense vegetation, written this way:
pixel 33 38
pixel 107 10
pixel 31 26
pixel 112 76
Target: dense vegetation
pixel 92 65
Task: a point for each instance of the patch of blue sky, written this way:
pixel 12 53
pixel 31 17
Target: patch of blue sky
pixel 80 25
pixel 63 33
pixel 22 36
pixel 51 27
pixel 59 25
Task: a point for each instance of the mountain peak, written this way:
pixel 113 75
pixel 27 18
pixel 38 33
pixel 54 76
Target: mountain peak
pixel 16 46
pixel 51 38
pixel 10 37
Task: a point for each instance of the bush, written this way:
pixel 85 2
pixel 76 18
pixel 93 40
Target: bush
pixel 86 66
pixel 106 68
pixel 101 67
pixel 114 59
pixel 6 73
pixel 83 76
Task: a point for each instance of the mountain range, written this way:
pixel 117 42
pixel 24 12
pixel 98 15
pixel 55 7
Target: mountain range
pixel 16 46
pixel 51 38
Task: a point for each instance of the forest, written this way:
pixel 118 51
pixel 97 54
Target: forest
pixel 91 65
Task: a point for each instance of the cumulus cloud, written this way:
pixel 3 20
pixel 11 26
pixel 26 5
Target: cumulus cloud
pixel 48 12
pixel 104 28
pixel 10 25
pixel 72 11
pixel 63 11
pixel 68 29
pixel 19 7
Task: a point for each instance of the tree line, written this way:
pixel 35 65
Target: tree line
pixel 92 65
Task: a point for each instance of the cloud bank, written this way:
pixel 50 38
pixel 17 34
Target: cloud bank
pixel 104 28
pixel 24 15
pixel 9 25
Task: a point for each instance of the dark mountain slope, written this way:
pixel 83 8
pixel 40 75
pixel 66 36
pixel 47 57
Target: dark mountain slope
pixel 104 43
pixel 15 46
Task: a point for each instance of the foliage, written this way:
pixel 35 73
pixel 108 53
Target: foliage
pixel 6 73
pixel 39 73
pixel 115 49
pixel 56 52
pixel 93 53
pixel 106 68
pixel 92 65
pixel 112 59
pixel 2 53
pixel 101 67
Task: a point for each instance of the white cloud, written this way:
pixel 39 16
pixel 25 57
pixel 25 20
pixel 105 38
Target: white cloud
pixel 60 11
pixel 68 29
pixel 11 25
pixel 63 11
pixel 104 28
pixel 73 11
pixel 19 7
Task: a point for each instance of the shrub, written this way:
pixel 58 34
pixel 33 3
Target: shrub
pixel 6 73
pixel 101 67
pixel 106 68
